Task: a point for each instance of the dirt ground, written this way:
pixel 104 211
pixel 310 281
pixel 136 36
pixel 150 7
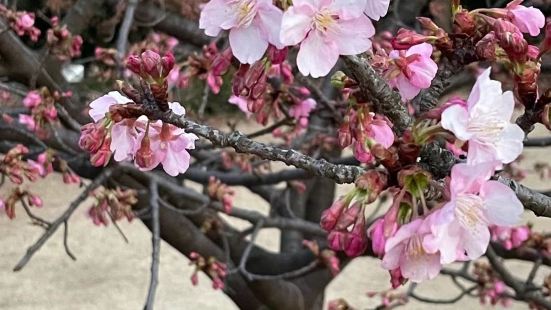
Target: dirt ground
pixel 110 274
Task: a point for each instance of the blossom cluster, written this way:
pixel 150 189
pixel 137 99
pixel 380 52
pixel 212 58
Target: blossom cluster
pixel 21 22
pixel 43 112
pixel 148 143
pixel 324 29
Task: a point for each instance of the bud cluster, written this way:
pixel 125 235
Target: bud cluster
pixel 221 192
pixel 112 204
pixel 21 22
pixel 216 270
pixel 62 44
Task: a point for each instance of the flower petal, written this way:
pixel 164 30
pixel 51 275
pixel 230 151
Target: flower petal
pixel 296 23
pixel 217 15
pixel 317 56
pixel 248 44
pixel 510 144
pixel 269 18
pixel 502 206
pixel 376 9
pixel 354 36
pixel 177 108
pixel 455 119
pixel 467 178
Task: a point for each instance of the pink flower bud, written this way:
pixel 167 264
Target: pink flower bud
pixel 348 217
pixel 102 156
pixel 329 217
pixel 396 278
pixel 194 279
pixel 355 242
pixel 145 158
pixel 361 153
pixel 133 63
pixel 335 240
pixel 277 56
pixel 406 38
pixel 221 63
pixel 167 62
pixel 91 137
pixel 32 99
pixel 345 135
pixel 378 240
pixel 34 200
pixel 151 62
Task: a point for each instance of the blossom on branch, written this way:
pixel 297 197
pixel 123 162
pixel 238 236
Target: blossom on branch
pixel 485 123
pixel 324 33
pixel 253 24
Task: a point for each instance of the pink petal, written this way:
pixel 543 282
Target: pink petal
pixel 423 72
pixel 177 108
pixel 376 9
pixel 484 93
pixel 354 36
pixel 391 259
pixel 502 205
pixel 175 162
pixel 420 268
pixel 317 56
pixel 405 232
pixel 475 240
pixel 510 144
pixel 382 133
pixel 296 23
pixel 445 235
pixel 407 90
pixel 423 49
pixel 241 103
pixel 455 119
pixel 124 140
pixel 482 153
pixel 248 44
pixel 217 15
pixel 348 9
pixel 269 20
pixel 100 106
pixel 528 19
pixel 467 178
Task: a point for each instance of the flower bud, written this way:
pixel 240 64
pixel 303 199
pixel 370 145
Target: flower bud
pixel 167 63
pixel 91 137
pixel 355 242
pixel 374 182
pixel 34 201
pixel 406 38
pixel 396 278
pixel 151 62
pixel 102 156
pixel 144 156
pixel 221 63
pixel 348 217
pixel 330 216
pixel 486 47
pixel 277 56
pixel 378 240
pixel 134 64
pixel 335 240
pixel 511 40
pixel 464 22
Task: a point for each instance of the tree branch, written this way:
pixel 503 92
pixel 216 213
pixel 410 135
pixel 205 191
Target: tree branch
pixel 99 180
pixel 156 243
pixel 532 200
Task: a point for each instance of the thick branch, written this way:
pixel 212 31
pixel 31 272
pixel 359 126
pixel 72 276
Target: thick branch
pixel 532 200
pixel 242 144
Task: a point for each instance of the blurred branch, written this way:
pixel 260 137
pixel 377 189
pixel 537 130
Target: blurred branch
pixel 99 180
pixel 156 243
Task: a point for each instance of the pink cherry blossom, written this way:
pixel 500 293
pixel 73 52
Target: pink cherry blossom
pixel 301 111
pixel 405 251
pixel 462 225
pixel 28 121
pixel 32 99
pixel 375 9
pixel 253 24
pixel 527 19
pixel 241 103
pixel 413 70
pixel 323 34
pixel 485 123
pixel 169 144
pixel 510 237
pixel 100 106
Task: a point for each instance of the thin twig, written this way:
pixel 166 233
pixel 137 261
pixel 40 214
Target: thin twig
pixel 122 39
pixel 204 101
pixel 443 301
pixel 117 227
pixel 163 203
pixel 65 240
pixel 100 179
pixel 37 220
pixel 247 252
pixel 156 243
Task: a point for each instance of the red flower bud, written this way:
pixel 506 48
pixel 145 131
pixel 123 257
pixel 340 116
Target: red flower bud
pixel 348 217
pixel 145 156
pixel 151 62
pixel 134 64
pixel 277 56
pixel 167 62
pixel 406 38
pixel 335 240
pixel 102 156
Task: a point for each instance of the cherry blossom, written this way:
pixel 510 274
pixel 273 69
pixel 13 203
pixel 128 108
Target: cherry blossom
pixel 323 34
pixel 527 19
pixel 375 9
pixel 253 24
pixel 485 123
pixel 462 225
pixel 301 111
pixel 413 70
pixel 405 251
